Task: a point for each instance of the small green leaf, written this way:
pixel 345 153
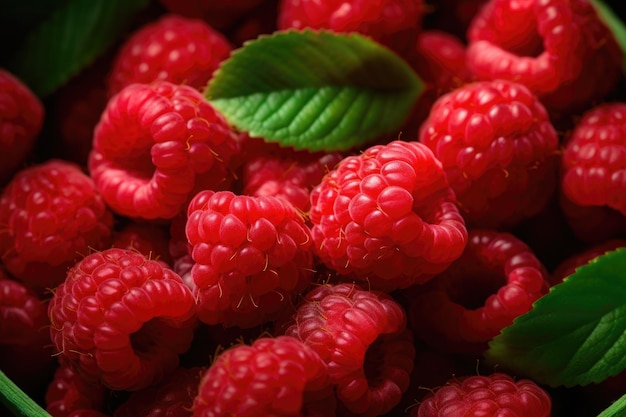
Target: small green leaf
pixel 70 39
pixel 315 90
pixel 575 334
pixel 615 24
pixel 20 404
pixel 617 409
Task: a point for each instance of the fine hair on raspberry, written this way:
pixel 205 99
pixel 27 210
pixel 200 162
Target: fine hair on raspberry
pixel 387 216
pixel 122 319
pixel 252 257
pixel 155 146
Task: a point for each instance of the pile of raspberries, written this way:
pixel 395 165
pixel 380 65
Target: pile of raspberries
pixel 155 261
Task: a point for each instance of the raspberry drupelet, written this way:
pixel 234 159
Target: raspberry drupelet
pixel 497 279
pixel 252 257
pixel 21 120
pixel 559 49
pixel 394 23
pixel 171 398
pixel 155 146
pixel 51 214
pixel 594 161
pixel 387 216
pixel 362 336
pixel 274 376
pixel 492 395
pixel 122 319
pixel 173 48
pixel 498 148
pixel 68 392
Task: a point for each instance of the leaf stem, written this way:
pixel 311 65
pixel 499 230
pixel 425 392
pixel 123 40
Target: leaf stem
pixel 16 400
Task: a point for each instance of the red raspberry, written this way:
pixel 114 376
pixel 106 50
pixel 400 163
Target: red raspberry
pixel 122 319
pixel 290 177
pixel 50 215
pixel 559 49
pixel 173 48
pixel 21 119
pixel 275 376
pixel 23 315
pixel 440 63
pixel 155 146
pixel 492 395
pixel 497 279
pixel 172 398
pixel 387 216
pixel 362 337
pixel 394 23
pixel 149 239
pixel 594 160
pixel 252 256
pixel 25 356
pixel 498 148
pixel 68 392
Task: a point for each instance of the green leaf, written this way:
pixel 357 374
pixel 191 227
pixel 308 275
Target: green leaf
pixel 69 39
pixel 575 334
pixel 20 404
pixel 315 90
pixel 617 409
pixel 615 24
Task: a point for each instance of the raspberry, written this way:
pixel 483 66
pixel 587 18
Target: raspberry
pixel 50 214
pixel 173 48
pixel 362 337
pixel 21 120
pixel 394 23
pixel 492 395
pixel 289 177
pixel 559 49
pixel 252 256
pixel 594 160
pixel 172 398
pixel 155 146
pixel 497 279
pixel 498 148
pixel 24 338
pixel 387 216
pixel 149 239
pixel 275 376
pixel 440 63
pixel 68 392
pixel 122 319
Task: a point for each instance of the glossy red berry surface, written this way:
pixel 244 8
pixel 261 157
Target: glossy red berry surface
pixel 155 145
pixel 122 319
pixel 387 216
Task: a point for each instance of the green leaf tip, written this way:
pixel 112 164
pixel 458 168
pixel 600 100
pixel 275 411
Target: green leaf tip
pixel 70 39
pixel 315 90
pixel 20 404
pixel 575 334
pixel 615 24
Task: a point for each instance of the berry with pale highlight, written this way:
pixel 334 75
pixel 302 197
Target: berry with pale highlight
pixel 155 146
pixel 252 257
pixel 492 395
pixel 122 319
pixel 275 376
pixel 498 148
pixel 387 216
